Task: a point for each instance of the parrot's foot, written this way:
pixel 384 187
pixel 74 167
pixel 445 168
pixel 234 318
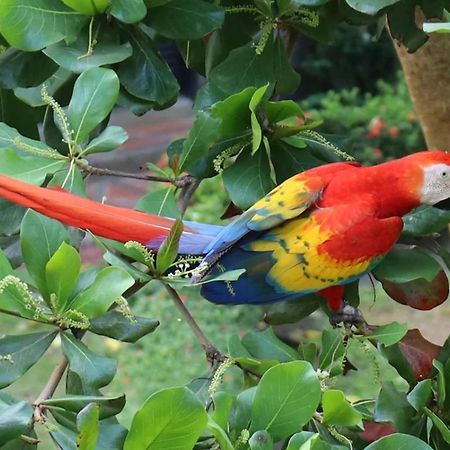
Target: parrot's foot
pixel 348 315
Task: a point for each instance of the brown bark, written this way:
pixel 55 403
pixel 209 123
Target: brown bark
pixel 427 73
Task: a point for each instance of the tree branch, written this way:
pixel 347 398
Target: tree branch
pixel 212 354
pixel 187 191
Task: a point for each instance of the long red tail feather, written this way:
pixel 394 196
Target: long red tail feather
pixel 112 222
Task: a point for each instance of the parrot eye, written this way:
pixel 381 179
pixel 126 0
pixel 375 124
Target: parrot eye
pixel 444 174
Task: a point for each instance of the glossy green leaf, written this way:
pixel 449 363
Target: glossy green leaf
pixel 398 441
pixel 256 127
pixel 169 419
pixel 332 351
pixel 14 419
pixel 371 7
pixel 223 402
pixel 24 69
pixel 128 11
pixel 94 95
pixel 168 251
pixel 338 411
pixel 87 7
pixel 32 169
pixel 291 311
pixel 421 394
pixel 88 427
pixel 241 413
pixel 109 406
pixel 220 435
pixel 261 440
pixel 94 370
pixel 114 325
pixel 109 284
pixel 20 352
pixel 405 264
pixel 439 424
pixel 40 237
pixel 266 345
pixel 202 136
pixel 425 220
pixel 248 179
pixel 74 56
pixel 392 406
pixel 185 19
pixel 43 22
pixel 61 273
pixel 286 398
pixel 109 139
pixel 282 110
pixel 145 75
pixel 161 202
pixel 389 334
pixel 17 114
pixel 298 439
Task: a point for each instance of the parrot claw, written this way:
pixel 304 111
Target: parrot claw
pixel 348 315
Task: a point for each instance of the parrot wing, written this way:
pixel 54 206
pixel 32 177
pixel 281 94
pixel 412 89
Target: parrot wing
pixel 329 247
pixel 288 200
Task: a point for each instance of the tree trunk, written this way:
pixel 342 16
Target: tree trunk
pixel 427 73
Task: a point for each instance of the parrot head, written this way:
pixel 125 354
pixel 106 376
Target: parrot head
pixel 436 176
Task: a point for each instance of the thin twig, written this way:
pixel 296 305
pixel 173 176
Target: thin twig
pixel 16 314
pixel 49 389
pixel 187 192
pixel 212 354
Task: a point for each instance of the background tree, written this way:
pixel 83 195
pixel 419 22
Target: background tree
pixel 64 66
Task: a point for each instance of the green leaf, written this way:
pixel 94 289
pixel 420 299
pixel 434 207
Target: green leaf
pixel 203 134
pixel 94 95
pixel 286 398
pixel 128 11
pixel 223 402
pixel 389 334
pixel 241 414
pixel 43 22
pixel 186 19
pixel 256 127
pixel 88 427
pixel 94 370
pixel 161 202
pixel 298 439
pixel 439 424
pixel 248 179
pixel 371 7
pixel 168 251
pixel 24 69
pixel 109 406
pixel 266 345
pixel 14 419
pixel 398 441
pixel 109 139
pixel 88 7
pixel 291 311
pixel 261 440
pixel 114 325
pixel 40 237
pixel 392 406
pixel 220 434
pixel 73 57
pixel 32 96
pixel 282 110
pixel 425 221
pixel 401 265
pixel 332 351
pixel 421 394
pixel 171 418
pixel 19 353
pixel 109 284
pixel 145 75
pixel 61 273
pixel 32 169
pixel 338 411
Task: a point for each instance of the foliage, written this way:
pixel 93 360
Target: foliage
pixel 86 57
pixel 377 127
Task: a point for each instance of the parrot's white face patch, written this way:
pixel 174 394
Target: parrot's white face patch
pixel 436 184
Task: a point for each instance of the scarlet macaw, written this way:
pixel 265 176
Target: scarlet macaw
pixel 316 232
